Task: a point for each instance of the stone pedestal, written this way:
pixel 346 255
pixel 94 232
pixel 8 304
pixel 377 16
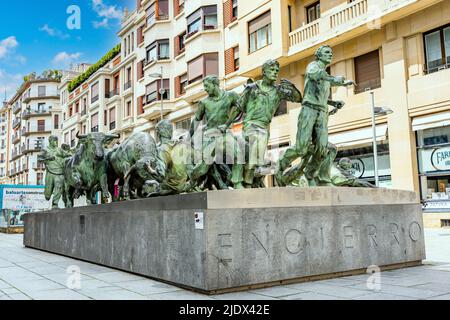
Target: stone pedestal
pixel 231 240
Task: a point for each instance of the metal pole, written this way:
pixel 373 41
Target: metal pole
pixel 375 147
pixel 161 94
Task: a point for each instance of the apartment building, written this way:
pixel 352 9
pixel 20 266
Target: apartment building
pixel 35 115
pixel 5 114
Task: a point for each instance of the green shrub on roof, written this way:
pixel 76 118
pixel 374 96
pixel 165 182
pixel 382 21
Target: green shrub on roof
pixel 75 83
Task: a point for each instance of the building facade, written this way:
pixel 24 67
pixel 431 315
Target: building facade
pixel 35 115
pixel 5 123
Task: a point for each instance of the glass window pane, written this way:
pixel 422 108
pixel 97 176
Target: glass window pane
pixel 195 26
pixel 433 49
pixel 253 42
pixel 447 43
pixel 211 22
pixel 164 51
pixel 261 38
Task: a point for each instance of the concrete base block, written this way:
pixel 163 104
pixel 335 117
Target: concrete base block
pixel 223 241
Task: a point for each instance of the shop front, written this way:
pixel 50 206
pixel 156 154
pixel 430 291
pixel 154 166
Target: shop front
pixel 433 153
pixel 357 145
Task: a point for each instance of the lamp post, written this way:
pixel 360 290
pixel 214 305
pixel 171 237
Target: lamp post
pixel 376 111
pixel 162 91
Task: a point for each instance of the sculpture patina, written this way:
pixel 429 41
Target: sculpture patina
pixel 139 167
pixel 54 159
pixel 259 103
pixel 342 176
pixel 218 144
pixel 311 144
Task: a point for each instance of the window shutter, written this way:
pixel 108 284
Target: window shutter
pixel 229 61
pixel 227 12
pixel 260 22
pixel 195 68
pixel 367 71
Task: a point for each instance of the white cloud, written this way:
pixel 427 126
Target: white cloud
pixel 100 24
pixel 7 46
pixel 106 12
pixel 10 83
pixel 52 32
pixel 64 58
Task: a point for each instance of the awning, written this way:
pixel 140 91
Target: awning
pixel 359 136
pixel 431 121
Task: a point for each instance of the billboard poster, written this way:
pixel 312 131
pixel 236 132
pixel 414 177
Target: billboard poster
pixel 15 201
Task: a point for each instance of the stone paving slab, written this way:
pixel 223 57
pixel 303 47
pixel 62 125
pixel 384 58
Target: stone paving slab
pixel 31 274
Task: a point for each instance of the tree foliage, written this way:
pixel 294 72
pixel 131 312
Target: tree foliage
pixel 75 83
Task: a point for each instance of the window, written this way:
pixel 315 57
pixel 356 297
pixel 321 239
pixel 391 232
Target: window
pixel 40 178
pixel 56 121
pixel 140 34
pixel 282 109
pixel 367 72
pixel 94 123
pixel 204 18
pixel 94 92
pixel 183 83
pixel 72 138
pixel 163 9
pixel 140 69
pixel 313 12
pixel 445 223
pixel 41 125
pixel 153 91
pixel 183 125
pixel 179 44
pixel 437 49
pixel 202 66
pixel 236 58
pixel 112 118
pixel 158 50
pixel 128 109
pixel 151 14
pixel 180 6
pixel 260 32
pixel 234 10
pixel 41 91
pixel 180 85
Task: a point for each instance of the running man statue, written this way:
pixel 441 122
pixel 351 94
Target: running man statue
pixel 259 103
pixel 312 133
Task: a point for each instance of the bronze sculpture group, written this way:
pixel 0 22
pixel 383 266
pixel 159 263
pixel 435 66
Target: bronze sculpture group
pixel 212 157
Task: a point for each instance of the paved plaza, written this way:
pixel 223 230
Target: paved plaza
pixel 30 274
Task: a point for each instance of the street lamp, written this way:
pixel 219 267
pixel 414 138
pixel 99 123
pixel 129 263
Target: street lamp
pixel 377 112
pixel 162 91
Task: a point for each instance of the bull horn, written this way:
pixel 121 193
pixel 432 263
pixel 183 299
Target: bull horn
pixel 83 136
pixel 113 136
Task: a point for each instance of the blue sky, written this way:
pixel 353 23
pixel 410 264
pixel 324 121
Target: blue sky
pixel 34 35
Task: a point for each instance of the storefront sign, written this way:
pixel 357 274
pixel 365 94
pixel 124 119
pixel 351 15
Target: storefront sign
pixel 440 159
pixel 358 168
pixel 436 205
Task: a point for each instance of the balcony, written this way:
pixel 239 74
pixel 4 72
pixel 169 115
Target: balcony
pixel 36 112
pixel 51 94
pixel 127 85
pixel 112 93
pixel 95 98
pixel 16 138
pixel 16 123
pixel 357 16
pixel 16 108
pixel 32 147
pixel 27 131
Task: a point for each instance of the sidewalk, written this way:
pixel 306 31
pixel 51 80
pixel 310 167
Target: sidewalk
pixel 31 274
